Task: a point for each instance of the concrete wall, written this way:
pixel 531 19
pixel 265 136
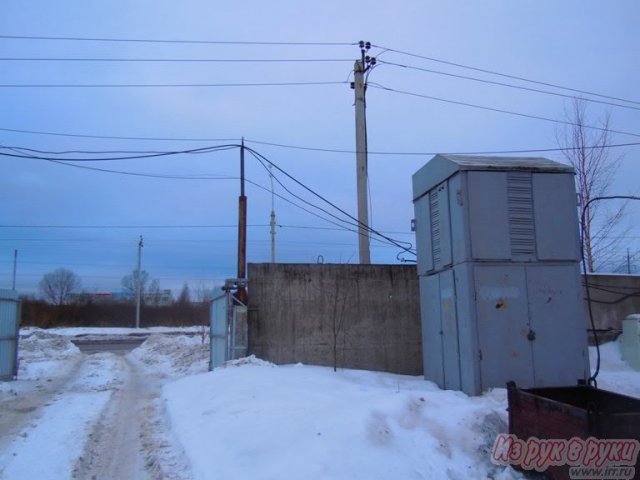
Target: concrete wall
pixel 613 297
pixel 353 316
pixel 368 316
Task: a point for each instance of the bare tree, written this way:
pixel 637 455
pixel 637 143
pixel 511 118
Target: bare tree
pixel 154 292
pixel 185 295
pixel 587 151
pixel 57 285
pixel 130 282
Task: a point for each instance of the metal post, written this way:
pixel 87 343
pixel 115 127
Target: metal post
pixel 628 262
pixel 361 160
pixel 15 267
pixel 272 223
pixel 138 283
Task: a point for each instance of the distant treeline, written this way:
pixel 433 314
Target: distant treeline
pixel 36 313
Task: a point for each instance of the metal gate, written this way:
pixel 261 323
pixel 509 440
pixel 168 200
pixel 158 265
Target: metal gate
pixel 228 329
pixel 9 320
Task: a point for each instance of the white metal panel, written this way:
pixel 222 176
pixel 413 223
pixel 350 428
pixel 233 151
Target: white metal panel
pixel 218 331
pixel 9 320
pixel 631 340
pixel 432 352
pixel 457 214
pixel 501 303
pixel 558 325
pixel 488 215
pixel 556 216
pixel 467 331
pixel 423 235
pixel 449 316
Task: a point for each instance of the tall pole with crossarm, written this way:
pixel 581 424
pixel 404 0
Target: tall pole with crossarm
pixel 362 176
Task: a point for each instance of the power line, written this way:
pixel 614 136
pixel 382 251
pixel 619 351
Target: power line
pixel 203 226
pixel 113 137
pixel 502 84
pixel 280 145
pixel 168 85
pixel 474 152
pixel 183 177
pixel 493 109
pixel 514 77
pixel 324 199
pixel 210 149
pixel 178 60
pixel 182 41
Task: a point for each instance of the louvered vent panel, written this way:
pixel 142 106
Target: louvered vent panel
pixel 520 208
pixel 436 225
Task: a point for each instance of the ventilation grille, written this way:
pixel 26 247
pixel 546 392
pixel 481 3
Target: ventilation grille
pixel 436 224
pixel 521 222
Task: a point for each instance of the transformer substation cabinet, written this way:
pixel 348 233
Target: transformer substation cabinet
pixel 498 263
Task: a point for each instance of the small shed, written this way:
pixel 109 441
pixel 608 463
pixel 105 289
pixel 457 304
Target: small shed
pixel 498 264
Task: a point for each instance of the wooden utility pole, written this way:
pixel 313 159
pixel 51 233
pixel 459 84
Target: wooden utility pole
pixel 360 68
pixel 242 229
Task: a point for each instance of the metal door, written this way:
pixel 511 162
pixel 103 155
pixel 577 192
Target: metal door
pixel 505 352
pixel 219 331
pixel 9 320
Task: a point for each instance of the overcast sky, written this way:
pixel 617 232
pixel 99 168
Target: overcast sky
pixel 585 45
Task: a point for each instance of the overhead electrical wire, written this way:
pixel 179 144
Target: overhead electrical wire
pixel 168 85
pixel 288 146
pixel 177 60
pixel 201 150
pixel 182 41
pixel 505 75
pixel 184 177
pixel 493 109
pixel 502 84
pixel 324 199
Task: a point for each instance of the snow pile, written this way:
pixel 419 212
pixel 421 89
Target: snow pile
pixel 173 355
pixel 41 345
pixel 82 331
pixel 43 354
pixel 294 422
pixel 250 360
pixel 615 373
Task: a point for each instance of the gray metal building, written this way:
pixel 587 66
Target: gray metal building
pixel 498 264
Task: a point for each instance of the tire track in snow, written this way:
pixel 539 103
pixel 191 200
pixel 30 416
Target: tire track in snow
pixel 50 445
pixel 132 439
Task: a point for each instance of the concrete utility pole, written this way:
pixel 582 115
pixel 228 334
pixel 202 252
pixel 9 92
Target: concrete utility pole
pixel 360 68
pixel 15 268
pixel 272 223
pixel 138 283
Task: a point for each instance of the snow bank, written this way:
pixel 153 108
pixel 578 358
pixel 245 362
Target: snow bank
pixel 615 373
pixel 44 355
pixel 260 421
pixel 76 331
pixel 173 355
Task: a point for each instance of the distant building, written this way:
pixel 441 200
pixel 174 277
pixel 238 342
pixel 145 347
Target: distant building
pixel 157 299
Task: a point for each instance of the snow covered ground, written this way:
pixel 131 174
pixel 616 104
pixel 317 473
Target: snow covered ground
pixel 157 413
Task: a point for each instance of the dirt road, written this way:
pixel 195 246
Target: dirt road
pixel 101 420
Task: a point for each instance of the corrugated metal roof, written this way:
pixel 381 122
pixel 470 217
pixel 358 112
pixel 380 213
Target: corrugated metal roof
pixel 482 162
pixel 442 166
